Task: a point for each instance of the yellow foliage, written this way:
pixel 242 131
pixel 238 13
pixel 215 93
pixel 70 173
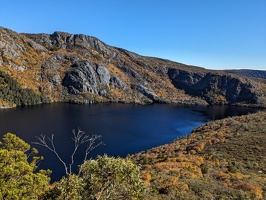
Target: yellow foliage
pixel 238 176
pixel 222 176
pixel 192 152
pixel 197 160
pixel 188 174
pixel 213 148
pixel 201 145
pixel 146 177
pixel 255 190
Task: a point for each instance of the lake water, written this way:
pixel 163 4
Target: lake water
pixel 125 128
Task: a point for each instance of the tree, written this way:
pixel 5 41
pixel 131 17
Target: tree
pixel 19 178
pixel 79 138
pixel 99 179
pixel 112 178
pixel 69 187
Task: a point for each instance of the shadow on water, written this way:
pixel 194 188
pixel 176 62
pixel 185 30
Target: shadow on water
pixel 125 128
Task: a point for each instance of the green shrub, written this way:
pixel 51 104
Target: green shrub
pixel 112 178
pixel 19 178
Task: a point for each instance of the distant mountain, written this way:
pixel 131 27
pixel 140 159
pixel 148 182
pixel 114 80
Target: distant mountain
pixel 249 73
pixel 62 67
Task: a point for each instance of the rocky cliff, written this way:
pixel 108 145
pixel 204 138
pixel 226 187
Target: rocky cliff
pixel 63 67
pixel 249 73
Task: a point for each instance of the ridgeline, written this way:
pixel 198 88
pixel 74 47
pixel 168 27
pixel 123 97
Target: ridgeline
pixel 63 67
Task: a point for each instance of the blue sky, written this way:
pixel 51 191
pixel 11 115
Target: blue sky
pixel 214 34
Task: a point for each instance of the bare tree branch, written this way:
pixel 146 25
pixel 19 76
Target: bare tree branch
pixel 79 138
pixel 42 142
pixel 92 140
pixel 92 144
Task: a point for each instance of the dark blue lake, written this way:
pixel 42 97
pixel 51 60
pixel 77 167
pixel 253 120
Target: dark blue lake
pixel 125 128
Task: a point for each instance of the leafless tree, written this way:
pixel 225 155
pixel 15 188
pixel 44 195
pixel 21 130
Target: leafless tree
pixel 79 138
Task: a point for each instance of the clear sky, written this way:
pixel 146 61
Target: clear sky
pixel 214 34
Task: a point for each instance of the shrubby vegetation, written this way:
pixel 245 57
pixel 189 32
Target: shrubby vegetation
pixel 101 178
pixel 224 159
pixel 19 177
pixel 112 178
pixel 12 94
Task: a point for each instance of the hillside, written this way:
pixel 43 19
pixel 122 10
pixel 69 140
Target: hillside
pixel 62 67
pixel 223 159
pixel 249 73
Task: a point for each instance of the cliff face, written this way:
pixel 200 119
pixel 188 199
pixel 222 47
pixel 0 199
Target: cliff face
pixel 249 73
pixel 76 68
pixel 215 88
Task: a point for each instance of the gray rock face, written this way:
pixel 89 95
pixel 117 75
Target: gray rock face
pixel 249 73
pixel 209 86
pixel 127 69
pixel 103 74
pixel 62 40
pixel 185 78
pixel 56 80
pixel 147 93
pixel 102 93
pixel 36 46
pixel 8 46
pixel 20 68
pixel 86 77
pixel 117 83
pixel 81 79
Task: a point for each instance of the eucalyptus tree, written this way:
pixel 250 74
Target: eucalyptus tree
pixel 19 174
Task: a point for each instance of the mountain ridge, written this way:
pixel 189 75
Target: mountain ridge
pixel 63 67
pixel 250 73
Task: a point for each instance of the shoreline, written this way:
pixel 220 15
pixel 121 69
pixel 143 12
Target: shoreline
pixel 258 106
pixel 7 107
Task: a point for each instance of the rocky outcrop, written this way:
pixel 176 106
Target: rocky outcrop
pixel 214 88
pixel 117 83
pixel 81 79
pixel 103 74
pixel 64 67
pixel 85 77
pixel 248 73
pixel 144 90
pixel 62 40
